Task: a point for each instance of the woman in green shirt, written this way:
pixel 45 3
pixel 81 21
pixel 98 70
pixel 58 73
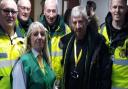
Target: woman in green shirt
pixel 33 69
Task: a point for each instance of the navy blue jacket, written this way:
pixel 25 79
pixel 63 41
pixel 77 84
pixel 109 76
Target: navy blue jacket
pixel 98 66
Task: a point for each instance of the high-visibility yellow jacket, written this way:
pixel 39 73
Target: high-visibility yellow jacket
pixel 60 29
pixel 10 50
pixel 120 62
pixel 56 53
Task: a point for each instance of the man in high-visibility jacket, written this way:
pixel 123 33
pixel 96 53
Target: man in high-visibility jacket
pixel 115 31
pixel 11 46
pixel 56 29
pixel 23 19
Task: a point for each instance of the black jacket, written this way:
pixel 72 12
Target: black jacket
pixel 117 37
pixel 97 64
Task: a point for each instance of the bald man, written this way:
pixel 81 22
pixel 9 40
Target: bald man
pixel 56 29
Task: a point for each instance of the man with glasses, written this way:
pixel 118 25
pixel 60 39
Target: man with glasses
pixel 11 46
pixel 24 20
pixel 8 11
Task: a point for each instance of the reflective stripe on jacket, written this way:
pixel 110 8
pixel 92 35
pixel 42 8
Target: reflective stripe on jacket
pixel 120 63
pixel 56 53
pixel 58 30
pixel 103 31
pixel 10 50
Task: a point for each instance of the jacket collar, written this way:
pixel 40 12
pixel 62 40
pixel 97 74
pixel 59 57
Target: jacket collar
pixel 57 27
pixel 108 21
pixel 2 32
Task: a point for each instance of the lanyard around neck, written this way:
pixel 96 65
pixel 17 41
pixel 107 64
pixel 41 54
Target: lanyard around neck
pixel 77 58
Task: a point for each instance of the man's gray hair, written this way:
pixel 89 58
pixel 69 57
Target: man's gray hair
pixel 79 11
pixel 51 1
pixel 19 2
pixel 4 1
pixel 110 2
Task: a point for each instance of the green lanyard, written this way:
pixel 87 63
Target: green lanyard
pixel 77 59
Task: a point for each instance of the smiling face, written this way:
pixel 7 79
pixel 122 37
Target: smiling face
pixel 118 9
pixel 8 13
pixel 24 7
pixel 38 39
pixel 50 12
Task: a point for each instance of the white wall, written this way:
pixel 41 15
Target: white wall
pixel 60 7
pixel 83 2
pixel 65 6
pixel 102 9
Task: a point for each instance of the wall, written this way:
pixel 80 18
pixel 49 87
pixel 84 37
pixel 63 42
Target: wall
pixel 102 9
pixel 37 9
pixel 60 7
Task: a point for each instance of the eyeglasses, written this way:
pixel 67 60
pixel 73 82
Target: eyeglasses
pixel 25 8
pixel 8 11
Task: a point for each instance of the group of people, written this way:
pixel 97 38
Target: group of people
pixel 50 54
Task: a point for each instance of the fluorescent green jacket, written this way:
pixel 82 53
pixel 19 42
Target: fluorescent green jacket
pixel 11 49
pixel 60 29
pixel 119 53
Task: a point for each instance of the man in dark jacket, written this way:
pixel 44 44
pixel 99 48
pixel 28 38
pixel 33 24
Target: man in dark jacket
pixel 86 59
pixel 91 13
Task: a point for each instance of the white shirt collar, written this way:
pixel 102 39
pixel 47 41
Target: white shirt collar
pixel 35 52
pixel 14 36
